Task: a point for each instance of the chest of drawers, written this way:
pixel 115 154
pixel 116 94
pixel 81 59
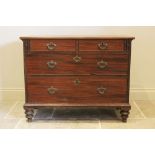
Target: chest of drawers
pixel 77 71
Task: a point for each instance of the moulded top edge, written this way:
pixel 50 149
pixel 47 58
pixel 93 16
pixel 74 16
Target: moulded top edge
pixel 77 37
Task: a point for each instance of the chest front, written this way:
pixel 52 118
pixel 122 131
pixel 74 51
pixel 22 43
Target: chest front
pixel 93 72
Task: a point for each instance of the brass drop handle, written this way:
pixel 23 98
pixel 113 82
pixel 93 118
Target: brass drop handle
pixel 51 64
pixel 102 64
pixel 51 90
pixel 77 59
pixel 50 46
pixel 103 45
pixel 101 90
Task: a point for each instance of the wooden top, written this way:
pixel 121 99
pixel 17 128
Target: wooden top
pixel 77 37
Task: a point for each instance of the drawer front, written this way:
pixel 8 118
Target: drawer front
pixel 74 89
pixel 52 45
pixel 101 45
pixel 88 64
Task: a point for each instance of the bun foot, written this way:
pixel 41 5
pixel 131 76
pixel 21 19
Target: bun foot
pixel 29 112
pixel 124 114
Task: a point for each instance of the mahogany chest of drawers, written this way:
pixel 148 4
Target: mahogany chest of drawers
pixel 77 71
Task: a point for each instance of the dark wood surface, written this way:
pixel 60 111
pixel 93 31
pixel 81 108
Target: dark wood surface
pixel 116 64
pixel 85 92
pixel 77 83
pixel 61 45
pixel 92 45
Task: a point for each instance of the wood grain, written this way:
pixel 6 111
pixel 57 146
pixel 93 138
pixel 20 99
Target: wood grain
pixel 61 45
pixel 69 92
pixel 117 64
pixel 92 45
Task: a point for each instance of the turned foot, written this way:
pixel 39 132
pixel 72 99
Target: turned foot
pixel 29 112
pixel 124 114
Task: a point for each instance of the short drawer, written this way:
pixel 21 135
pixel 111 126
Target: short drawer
pixel 52 45
pixel 76 89
pixel 86 64
pixel 101 45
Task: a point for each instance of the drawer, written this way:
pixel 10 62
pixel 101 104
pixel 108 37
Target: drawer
pixel 52 45
pixel 88 64
pixel 101 45
pixel 76 89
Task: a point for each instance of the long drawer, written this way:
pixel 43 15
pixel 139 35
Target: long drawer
pixel 77 89
pixel 116 64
